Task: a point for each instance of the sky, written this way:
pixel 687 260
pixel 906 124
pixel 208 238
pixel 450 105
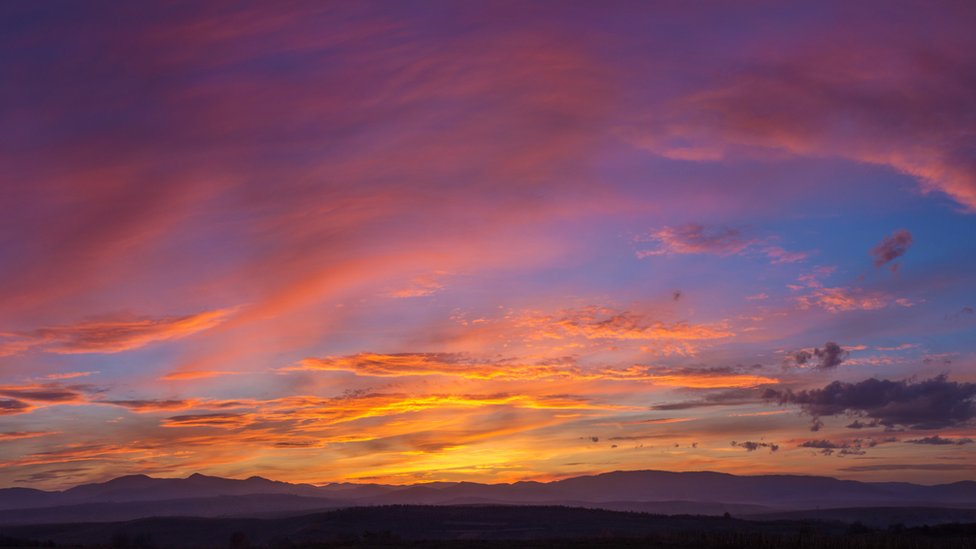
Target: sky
pixel 423 241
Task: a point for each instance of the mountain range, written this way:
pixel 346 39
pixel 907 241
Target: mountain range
pixel 662 492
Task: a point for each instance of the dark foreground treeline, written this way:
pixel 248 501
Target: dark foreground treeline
pixel 484 527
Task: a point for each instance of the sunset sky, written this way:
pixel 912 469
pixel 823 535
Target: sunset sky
pixel 490 241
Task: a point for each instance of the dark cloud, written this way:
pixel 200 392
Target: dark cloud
pixel 937 359
pixel 892 247
pixel 639 437
pixel 42 393
pixel 752 446
pixel 962 314
pixel 53 474
pixel 830 356
pixel 820 444
pixel 10 406
pixel 858 424
pixel 802 357
pixel 930 404
pixel 853 447
pixel 936 440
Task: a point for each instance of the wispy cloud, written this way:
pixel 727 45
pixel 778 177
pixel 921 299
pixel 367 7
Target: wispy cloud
pixel 459 365
pixel 112 334
pixel 693 239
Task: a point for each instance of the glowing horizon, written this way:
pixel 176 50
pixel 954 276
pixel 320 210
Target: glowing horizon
pixel 408 242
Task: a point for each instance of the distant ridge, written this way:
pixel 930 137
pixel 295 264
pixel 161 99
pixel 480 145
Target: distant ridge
pixel 703 492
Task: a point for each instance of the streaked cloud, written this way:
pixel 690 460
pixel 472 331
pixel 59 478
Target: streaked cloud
pixel 459 365
pixel 695 239
pixel 112 335
pixel 936 440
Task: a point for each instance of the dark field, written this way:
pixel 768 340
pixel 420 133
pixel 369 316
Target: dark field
pixel 485 527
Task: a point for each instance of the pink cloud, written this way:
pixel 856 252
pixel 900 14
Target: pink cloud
pixel 722 241
pixel 894 102
pixel 111 334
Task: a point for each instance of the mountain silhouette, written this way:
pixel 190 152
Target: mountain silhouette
pixel 708 493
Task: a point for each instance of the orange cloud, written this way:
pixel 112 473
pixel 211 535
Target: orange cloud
pixel 603 323
pixel 68 375
pixel 113 335
pixel 46 392
pixel 195 374
pixel 421 286
pixel 837 300
pixel 221 420
pixel 712 381
pixel 17 435
pixel 461 365
pixel 9 406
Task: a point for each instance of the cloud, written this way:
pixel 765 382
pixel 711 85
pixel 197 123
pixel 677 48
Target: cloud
pixel 10 406
pixel 830 356
pixel 730 397
pixel 53 474
pixel 151 405
pixel 858 424
pixel 462 365
pixel 811 100
pixel 962 314
pixel 195 374
pixel 48 392
pixel 751 446
pixel 314 412
pixel 929 404
pixel 697 239
pixel 811 292
pixel 937 440
pixel 892 247
pixel 113 335
pixel 601 323
pixel 853 447
pixel 778 255
pixel 721 241
pixel 421 286
pixel 68 375
pixel 837 300
pixel 801 357
pixel 17 435
pixel 222 420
